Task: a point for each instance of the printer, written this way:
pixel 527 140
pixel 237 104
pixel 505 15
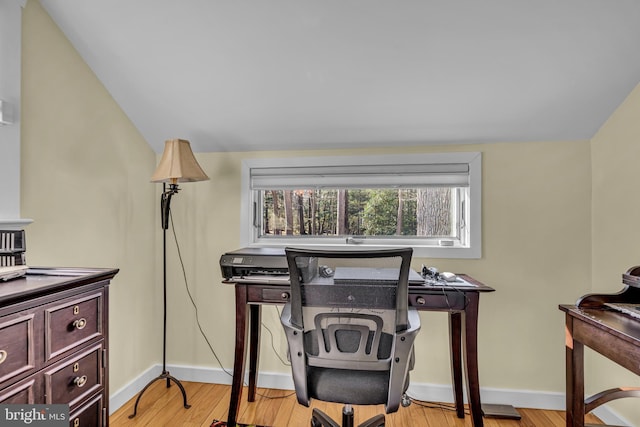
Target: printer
pixel 263 265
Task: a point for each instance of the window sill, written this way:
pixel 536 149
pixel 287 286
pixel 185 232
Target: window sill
pixel 419 251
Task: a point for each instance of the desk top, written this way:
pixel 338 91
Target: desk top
pixel 469 284
pixel 613 322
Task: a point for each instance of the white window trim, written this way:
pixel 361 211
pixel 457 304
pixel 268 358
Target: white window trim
pixel 473 159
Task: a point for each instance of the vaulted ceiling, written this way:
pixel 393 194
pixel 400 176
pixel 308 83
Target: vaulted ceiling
pixel 232 75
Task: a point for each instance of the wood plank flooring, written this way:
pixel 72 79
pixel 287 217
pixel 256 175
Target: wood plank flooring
pixel 162 406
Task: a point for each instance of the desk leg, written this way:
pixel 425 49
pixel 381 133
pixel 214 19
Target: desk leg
pixel 455 342
pixel 574 359
pixel 470 340
pixel 254 348
pixel 240 352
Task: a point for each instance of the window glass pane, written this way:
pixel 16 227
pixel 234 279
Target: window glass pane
pixel 425 212
pixel 429 201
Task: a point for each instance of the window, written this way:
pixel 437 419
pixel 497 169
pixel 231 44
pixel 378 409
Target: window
pixel 430 202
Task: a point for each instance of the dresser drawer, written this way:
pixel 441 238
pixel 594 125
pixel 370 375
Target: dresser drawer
pixel 17 345
pixel 91 414
pixel 22 393
pixel 72 322
pixel 75 378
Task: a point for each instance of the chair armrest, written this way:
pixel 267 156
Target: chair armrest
pixel 402 360
pixel 414 321
pixel 297 355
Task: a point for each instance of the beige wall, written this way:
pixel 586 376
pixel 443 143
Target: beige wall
pixel 85 182
pixel 85 173
pixel 616 231
pixel 536 254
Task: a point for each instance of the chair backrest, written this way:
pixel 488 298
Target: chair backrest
pixel 348 325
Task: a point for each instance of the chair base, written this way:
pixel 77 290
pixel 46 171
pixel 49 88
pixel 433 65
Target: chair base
pixel 320 419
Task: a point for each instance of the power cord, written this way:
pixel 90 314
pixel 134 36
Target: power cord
pixel 435 405
pixel 436 280
pixel 204 336
pixel 273 347
pixel 193 303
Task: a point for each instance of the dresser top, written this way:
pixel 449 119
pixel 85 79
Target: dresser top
pixel 45 280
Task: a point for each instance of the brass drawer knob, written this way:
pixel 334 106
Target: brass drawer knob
pixel 3 355
pixel 80 381
pixel 284 295
pixel 80 323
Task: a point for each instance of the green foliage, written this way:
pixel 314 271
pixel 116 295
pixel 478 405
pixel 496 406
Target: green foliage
pixel 369 212
pixel 380 216
pixel 380 213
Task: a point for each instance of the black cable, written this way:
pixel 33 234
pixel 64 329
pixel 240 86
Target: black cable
pixel 273 347
pixel 435 405
pixel 193 303
pixel 276 397
pixel 281 361
pixel 195 308
pixel 443 286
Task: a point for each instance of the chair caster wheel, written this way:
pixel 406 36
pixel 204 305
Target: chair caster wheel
pixel 405 401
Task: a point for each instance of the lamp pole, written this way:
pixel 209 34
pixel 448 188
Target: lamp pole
pixel 165 207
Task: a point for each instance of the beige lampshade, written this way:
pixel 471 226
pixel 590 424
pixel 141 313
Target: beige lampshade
pixel 178 164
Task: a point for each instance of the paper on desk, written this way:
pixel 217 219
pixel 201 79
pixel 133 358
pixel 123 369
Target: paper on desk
pixel 459 282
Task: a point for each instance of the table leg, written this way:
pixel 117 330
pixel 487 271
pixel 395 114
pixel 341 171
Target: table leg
pixel 470 353
pixel 240 352
pixel 574 359
pixel 255 317
pixel 455 343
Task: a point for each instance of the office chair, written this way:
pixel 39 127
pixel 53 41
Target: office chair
pixel 349 329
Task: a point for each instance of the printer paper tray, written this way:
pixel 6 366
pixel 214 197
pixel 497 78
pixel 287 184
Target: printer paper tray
pixel 262 278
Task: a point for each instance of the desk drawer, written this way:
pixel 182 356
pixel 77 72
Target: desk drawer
pixel 445 301
pixel 73 322
pixel 75 378
pixel 17 345
pixel 273 295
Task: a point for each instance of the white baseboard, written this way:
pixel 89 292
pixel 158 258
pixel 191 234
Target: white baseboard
pixel 420 391
pixel 122 396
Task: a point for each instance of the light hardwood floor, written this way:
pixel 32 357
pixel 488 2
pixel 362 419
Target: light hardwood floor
pixel 162 406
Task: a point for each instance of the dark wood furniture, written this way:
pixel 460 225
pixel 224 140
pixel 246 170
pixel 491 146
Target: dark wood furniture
pixel 613 334
pixel 461 302
pixel 54 341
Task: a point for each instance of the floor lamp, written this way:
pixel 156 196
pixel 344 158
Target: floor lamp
pixel 177 164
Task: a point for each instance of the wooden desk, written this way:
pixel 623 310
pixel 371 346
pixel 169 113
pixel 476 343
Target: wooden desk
pixel 460 302
pixel 615 336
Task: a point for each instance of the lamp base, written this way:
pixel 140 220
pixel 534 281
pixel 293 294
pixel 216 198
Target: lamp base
pixel 164 375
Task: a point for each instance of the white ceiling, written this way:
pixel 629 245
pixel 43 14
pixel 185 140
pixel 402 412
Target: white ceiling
pixel 232 75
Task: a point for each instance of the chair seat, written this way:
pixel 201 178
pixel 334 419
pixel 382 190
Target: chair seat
pixel 341 385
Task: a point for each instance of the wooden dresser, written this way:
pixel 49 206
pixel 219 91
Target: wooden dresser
pixel 54 340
